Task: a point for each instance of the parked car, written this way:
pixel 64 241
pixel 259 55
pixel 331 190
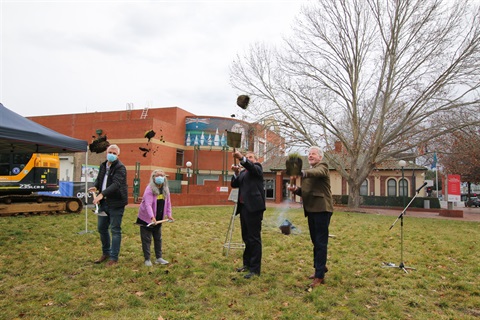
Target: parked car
pixel 472 202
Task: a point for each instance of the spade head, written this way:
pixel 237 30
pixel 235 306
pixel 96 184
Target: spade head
pixel 149 134
pixel 293 166
pixel 99 145
pixel 234 139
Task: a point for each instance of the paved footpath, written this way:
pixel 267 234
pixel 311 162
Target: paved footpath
pixel 469 214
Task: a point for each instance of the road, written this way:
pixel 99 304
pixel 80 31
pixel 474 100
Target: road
pixel 469 214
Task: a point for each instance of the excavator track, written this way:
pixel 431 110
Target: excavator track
pixel 11 205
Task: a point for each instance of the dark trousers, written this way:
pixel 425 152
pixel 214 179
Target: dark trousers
pixel 318 224
pixel 251 225
pixel 146 234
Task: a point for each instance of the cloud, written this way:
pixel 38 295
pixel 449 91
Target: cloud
pixel 84 56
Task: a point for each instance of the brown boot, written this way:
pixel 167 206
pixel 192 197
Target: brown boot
pixel 111 263
pixel 317 282
pixel 102 259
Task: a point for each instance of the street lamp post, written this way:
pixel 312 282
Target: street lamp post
pixel 403 163
pixel 188 164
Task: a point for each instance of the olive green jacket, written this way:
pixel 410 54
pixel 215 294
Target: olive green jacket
pixel 315 189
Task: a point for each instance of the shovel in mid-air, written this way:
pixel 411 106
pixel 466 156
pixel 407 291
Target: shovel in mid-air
pixel 293 166
pixel 234 140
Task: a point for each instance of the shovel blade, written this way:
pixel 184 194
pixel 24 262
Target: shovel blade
pixel 234 139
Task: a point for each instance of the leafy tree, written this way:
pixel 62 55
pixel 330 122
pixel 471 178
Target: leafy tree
pixel 460 155
pixel 379 78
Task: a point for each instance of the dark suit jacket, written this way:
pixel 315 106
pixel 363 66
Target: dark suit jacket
pixel 315 190
pixel 250 184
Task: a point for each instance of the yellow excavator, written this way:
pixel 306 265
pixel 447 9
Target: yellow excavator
pixel 23 176
pixel 29 164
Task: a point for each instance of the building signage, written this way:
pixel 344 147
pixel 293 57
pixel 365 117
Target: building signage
pixel 453 188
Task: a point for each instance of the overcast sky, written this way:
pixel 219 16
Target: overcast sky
pixel 61 57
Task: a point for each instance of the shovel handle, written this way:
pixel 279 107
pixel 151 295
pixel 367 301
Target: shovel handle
pixel 293 180
pixel 293 183
pixel 158 222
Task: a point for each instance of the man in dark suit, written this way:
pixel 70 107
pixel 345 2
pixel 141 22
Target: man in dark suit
pixel 318 208
pixel 251 205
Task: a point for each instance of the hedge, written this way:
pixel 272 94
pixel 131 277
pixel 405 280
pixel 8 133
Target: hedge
pixel 379 201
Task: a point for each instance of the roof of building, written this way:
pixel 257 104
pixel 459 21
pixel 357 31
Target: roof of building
pixel 277 163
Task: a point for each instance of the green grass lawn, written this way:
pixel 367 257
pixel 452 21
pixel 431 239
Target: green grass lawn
pixel 47 270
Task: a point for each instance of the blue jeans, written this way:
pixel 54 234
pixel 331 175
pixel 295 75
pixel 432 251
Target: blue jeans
pixel 112 221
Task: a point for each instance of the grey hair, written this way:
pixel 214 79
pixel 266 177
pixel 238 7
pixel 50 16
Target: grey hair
pixel 254 154
pixel 320 151
pixel 114 146
pixel 164 190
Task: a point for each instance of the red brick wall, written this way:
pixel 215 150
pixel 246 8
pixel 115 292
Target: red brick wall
pixel 126 129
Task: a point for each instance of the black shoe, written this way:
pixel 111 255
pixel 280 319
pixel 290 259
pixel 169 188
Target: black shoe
pixel 242 269
pixel 251 275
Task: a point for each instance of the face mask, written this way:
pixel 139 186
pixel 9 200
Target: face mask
pixel 159 180
pixel 111 157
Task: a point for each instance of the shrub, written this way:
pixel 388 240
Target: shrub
pixel 382 201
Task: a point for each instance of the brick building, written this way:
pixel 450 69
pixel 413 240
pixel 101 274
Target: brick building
pixel 182 137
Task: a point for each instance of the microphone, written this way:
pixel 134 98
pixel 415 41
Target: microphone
pixel 423 185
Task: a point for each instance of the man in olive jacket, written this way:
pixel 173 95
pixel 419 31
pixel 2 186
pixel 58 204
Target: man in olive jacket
pixel 112 197
pixel 318 207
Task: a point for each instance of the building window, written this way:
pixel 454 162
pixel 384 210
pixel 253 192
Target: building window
pixel 179 158
pixel 364 188
pixel 175 186
pixel 261 149
pixel 269 188
pixel 403 188
pixel 391 188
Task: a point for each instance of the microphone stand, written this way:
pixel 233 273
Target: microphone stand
pixel 402 265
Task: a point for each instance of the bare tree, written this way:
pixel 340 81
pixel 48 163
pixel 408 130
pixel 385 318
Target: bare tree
pixel 381 77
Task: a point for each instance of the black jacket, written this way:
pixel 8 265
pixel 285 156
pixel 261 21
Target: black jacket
pixel 116 192
pixel 250 184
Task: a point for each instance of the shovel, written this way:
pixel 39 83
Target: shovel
pixel 234 140
pixel 153 224
pixel 97 210
pixel 293 164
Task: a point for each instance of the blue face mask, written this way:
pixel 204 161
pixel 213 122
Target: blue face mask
pixel 111 157
pixel 159 180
